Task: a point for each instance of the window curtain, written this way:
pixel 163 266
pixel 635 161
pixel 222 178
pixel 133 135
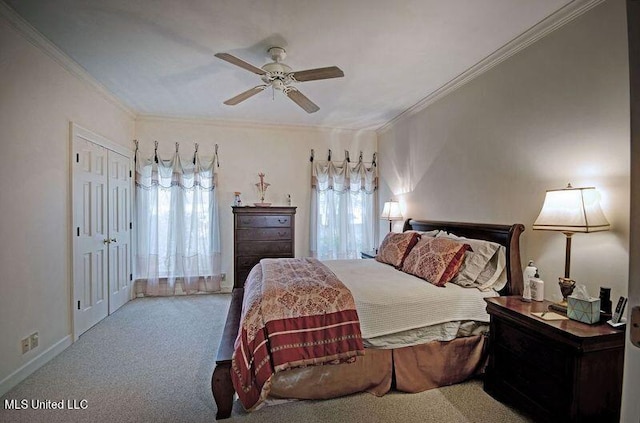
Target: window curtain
pixel 178 234
pixel 342 209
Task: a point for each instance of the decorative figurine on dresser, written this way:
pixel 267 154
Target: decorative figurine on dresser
pixel 261 232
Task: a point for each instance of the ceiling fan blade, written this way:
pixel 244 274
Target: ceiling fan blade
pixel 302 101
pixel 245 95
pixel 319 73
pixel 239 62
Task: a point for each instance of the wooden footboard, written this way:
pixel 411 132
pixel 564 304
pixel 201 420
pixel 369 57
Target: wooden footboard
pixel 221 385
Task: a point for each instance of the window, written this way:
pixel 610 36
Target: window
pixel 342 223
pixel 178 236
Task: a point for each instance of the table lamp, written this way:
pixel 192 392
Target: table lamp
pixel 391 211
pixel 570 210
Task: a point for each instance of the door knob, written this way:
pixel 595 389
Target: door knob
pixel 113 240
pixel 106 241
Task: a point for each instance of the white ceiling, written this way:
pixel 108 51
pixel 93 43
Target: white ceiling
pixel 156 56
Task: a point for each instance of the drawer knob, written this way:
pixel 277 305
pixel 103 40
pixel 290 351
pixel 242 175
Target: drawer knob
pixel 282 220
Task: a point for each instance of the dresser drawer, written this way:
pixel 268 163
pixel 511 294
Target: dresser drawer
pixel 264 248
pixel 247 262
pixel 275 221
pixel 244 264
pixel 258 234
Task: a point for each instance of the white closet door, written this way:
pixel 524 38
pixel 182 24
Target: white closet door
pixel 119 233
pixel 101 204
pixel 91 243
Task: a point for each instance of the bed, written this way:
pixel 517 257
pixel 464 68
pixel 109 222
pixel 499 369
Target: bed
pixel 411 361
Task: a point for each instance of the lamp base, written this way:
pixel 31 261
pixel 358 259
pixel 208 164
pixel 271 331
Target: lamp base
pixel 566 288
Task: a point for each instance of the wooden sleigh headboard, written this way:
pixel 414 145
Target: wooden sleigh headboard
pixel 506 235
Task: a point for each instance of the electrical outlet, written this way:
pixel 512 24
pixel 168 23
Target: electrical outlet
pixel 25 345
pixel 33 340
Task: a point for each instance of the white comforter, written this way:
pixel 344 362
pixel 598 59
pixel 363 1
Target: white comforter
pixel 390 301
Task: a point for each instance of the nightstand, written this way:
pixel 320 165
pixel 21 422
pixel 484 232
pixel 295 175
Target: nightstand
pixel 558 370
pixel 368 254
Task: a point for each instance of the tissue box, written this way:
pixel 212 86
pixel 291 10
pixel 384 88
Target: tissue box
pixel 585 311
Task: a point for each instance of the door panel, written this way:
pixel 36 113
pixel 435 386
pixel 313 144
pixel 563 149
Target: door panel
pixel 119 219
pixel 90 250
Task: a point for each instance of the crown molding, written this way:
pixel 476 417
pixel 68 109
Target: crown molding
pixel 543 28
pixel 36 38
pixel 232 123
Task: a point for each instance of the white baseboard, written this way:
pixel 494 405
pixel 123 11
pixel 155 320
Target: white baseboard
pixel 34 364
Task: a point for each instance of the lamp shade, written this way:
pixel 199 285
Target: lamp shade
pixel 572 210
pixel 391 211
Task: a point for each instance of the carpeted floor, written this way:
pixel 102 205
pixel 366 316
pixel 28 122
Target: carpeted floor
pixel 151 361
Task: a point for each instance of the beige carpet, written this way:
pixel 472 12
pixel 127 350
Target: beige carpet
pixel 151 361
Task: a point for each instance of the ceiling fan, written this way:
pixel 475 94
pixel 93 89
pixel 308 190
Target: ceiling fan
pixel 280 77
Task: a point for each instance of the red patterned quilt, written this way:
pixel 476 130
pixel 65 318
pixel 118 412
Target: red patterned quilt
pixel 295 313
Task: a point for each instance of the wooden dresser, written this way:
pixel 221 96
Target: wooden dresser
pixel 261 232
pixel 559 370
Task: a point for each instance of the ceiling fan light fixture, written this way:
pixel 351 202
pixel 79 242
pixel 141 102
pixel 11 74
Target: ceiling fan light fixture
pixel 281 77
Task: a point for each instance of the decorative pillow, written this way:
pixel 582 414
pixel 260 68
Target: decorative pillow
pixel 395 247
pixel 431 234
pixel 436 260
pixel 476 261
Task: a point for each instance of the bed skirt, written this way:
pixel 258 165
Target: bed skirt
pixel 414 369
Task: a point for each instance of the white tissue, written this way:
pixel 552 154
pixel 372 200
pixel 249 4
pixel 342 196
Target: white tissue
pixel 580 292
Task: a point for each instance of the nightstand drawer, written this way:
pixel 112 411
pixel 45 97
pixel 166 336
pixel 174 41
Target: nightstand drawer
pixel 543 389
pixel 537 352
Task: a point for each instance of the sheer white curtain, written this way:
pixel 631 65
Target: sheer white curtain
pixel 342 209
pixel 178 234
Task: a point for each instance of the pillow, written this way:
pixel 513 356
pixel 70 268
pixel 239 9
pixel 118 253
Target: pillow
pixel 431 234
pixel 494 276
pixel 476 261
pixel 395 247
pixel 436 260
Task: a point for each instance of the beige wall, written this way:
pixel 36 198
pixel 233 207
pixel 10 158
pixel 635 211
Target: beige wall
pixel 38 99
pixel 280 152
pixel 556 112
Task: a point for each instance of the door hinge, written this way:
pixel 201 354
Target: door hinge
pixel 130 225
pixel 78 231
pixel 78 304
pixel 130 175
pixel 130 276
pixel 77 157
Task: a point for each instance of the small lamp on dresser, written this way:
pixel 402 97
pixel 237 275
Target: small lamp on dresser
pixel 570 210
pixel 391 211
